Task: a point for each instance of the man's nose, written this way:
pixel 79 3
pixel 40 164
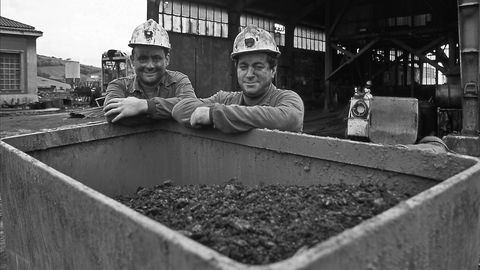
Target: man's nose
pixel 149 64
pixel 250 71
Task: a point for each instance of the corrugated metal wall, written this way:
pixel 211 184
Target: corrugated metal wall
pixel 205 60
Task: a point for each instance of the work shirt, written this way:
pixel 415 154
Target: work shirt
pixel 235 112
pixel 173 87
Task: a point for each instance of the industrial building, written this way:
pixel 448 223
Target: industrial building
pixel 18 62
pixel 426 50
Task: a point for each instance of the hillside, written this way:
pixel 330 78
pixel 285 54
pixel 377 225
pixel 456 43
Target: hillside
pixel 54 68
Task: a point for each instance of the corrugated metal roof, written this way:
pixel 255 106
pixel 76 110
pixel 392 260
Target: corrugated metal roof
pixel 8 24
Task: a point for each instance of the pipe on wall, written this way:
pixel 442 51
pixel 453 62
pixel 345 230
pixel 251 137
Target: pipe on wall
pixel 469 42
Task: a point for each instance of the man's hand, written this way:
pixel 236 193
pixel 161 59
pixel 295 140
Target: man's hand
pixel 200 117
pixel 125 107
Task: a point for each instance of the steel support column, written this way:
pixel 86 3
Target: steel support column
pixel 328 56
pixel 469 46
pixel 288 55
pixel 469 32
pixel 233 30
pixel 153 9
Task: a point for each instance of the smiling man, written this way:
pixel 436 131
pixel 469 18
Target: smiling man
pixel 259 105
pixel 153 91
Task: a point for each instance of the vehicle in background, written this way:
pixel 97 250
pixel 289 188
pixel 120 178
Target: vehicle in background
pixel 115 64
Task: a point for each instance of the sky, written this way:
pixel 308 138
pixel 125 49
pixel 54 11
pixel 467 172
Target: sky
pixel 78 29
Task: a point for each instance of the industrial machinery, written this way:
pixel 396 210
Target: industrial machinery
pixel 359 114
pixel 379 119
pixel 115 64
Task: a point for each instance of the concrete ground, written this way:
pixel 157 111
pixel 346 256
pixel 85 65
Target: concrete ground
pixel 28 121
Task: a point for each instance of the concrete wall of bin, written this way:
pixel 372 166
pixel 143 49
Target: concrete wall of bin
pixel 57 213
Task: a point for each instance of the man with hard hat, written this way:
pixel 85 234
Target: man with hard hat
pixel 153 91
pixel 259 104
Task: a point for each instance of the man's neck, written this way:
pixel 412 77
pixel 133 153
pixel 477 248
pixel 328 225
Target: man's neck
pixel 149 87
pixel 249 101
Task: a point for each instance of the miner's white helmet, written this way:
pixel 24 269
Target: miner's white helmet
pixel 254 39
pixel 150 33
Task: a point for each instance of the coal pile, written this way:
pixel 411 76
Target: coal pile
pixel 265 223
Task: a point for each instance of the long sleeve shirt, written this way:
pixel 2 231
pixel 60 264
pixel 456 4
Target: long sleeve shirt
pixel 173 87
pixel 235 112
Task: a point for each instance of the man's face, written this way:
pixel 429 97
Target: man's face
pixel 254 73
pixel 150 63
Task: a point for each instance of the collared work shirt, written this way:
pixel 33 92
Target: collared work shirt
pixel 234 112
pixel 173 87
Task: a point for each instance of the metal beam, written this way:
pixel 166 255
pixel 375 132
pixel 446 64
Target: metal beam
pixel 363 50
pixel 239 6
pixel 339 17
pixel 431 45
pixel 346 52
pixel 411 50
pixel 408 33
pixel 295 18
pixel 442 57
pixel 153 6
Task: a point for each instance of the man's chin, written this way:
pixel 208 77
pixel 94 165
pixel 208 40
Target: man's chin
pixel 250 88
pixel 250 92
pixel 151 80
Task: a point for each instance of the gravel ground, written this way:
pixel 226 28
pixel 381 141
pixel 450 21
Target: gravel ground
pixel 261 224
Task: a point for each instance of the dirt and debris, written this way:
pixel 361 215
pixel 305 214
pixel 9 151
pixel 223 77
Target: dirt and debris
pixel 265 223
pixel 16 122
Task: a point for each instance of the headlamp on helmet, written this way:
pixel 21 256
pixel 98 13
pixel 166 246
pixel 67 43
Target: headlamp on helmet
pixel 150 33
pixel 254 39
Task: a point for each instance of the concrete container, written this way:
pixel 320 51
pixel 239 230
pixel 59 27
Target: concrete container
pixel 58 214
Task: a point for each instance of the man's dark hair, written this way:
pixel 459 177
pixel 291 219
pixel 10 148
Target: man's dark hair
pixel 272 60
pixel 166 51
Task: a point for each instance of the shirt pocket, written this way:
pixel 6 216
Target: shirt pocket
pixel 166 91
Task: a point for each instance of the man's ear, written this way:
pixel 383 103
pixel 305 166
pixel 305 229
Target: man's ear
pixel 131 55
pixel 167 57
pixel 274 71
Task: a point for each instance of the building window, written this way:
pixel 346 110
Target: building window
pixel 429 74
pixel 10 71
pixel 275 29
pixel 417 20
pixel 309 39
pixel 191 18
pixel 432 75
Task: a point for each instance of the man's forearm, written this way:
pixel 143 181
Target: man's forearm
pixel 184 109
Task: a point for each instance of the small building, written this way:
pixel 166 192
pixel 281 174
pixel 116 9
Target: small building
pixel 18 62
